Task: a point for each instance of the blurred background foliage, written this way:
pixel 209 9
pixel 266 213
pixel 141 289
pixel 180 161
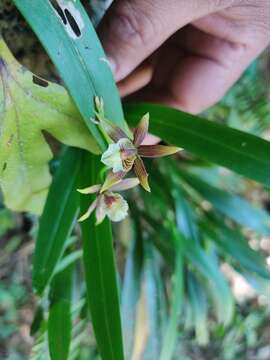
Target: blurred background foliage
pixel 193 257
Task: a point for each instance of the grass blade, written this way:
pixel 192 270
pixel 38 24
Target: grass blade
pixel 100 272
pixel 233 206
pixel 152 304
pixel 198 302
pixel 131 289
pixel 59 322
pixel 234 244
pixel 171 333
pixel 220 289
pixel 76 52
pixel 57 219
pixel 234 149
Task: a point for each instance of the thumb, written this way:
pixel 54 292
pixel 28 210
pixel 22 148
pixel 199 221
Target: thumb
pixel 133 29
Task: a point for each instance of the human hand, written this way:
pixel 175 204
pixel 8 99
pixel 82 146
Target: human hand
pixel 183 53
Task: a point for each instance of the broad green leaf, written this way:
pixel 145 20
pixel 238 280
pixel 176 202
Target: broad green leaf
pixel 57 219
pixel 59 322
pixel 68 36
pixel 28 106
pixel 100 271
pixel 234 149
pixel 231 205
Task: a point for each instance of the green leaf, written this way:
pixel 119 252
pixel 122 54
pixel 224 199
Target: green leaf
pixel 185 217
pixel 72 44
pixel 59 322
pixel 131 289
pixel 206 266
pixel 233 206
pixel 234 149
pixel 152 301
pixel 57 219
pixel 171 334
pixel 235 245
pixel 28 106
pixel 100 271
pixel 261 285
pixel 68 260
pixel 198 302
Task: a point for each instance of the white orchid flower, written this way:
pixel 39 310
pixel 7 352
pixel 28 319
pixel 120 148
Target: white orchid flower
pixel 109 203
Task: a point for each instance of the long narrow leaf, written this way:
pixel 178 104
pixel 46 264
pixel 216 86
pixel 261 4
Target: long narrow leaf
pixel 233 206
pixel 59 322
pixel 68 36
pixel 236 246
pixel 151 292
pixel 198 303
pixel 207 267
pixel 57 219
pixel 100 272
pixel 171 333
pixel 234 149
pixel 131 289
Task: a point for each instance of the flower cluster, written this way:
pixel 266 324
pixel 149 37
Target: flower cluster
pixel 124 153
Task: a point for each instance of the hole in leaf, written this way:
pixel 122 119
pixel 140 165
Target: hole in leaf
pixel 4 167
pixel 59 11
pixel 38 81
pixel 72 22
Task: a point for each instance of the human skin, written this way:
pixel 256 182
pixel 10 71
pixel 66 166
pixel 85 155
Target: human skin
pixel 183 53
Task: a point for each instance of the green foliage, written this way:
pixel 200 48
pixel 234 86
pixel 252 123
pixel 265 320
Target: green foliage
pixel 57 220
pixel 234 149
pixel 28 106
pixel 81 62
pixel 100 272
pixel 181 233
pixel 59 321
pixel 77 54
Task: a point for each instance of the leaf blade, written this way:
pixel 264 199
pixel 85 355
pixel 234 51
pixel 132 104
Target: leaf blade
pixel 57 219
pixel 234 149
pixel 76 57
pixel 59 321
pixel 27 110
pixel 100 272
pixel 231 205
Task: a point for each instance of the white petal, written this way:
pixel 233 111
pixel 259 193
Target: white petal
pixel 100 210
pixel 112 158
pixel 89 211
pixel 118 209
pixel 125 184
pixel 90 190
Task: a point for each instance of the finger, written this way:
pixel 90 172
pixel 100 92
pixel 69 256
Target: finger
pixel 133 29
pixel 206 72
pixel 138 79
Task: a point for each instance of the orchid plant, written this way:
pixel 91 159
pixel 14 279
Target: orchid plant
pixel 173 243
pixel 124 153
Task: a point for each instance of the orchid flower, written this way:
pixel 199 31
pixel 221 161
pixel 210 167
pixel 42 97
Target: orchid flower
pixel 126 152
pixel 108 203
